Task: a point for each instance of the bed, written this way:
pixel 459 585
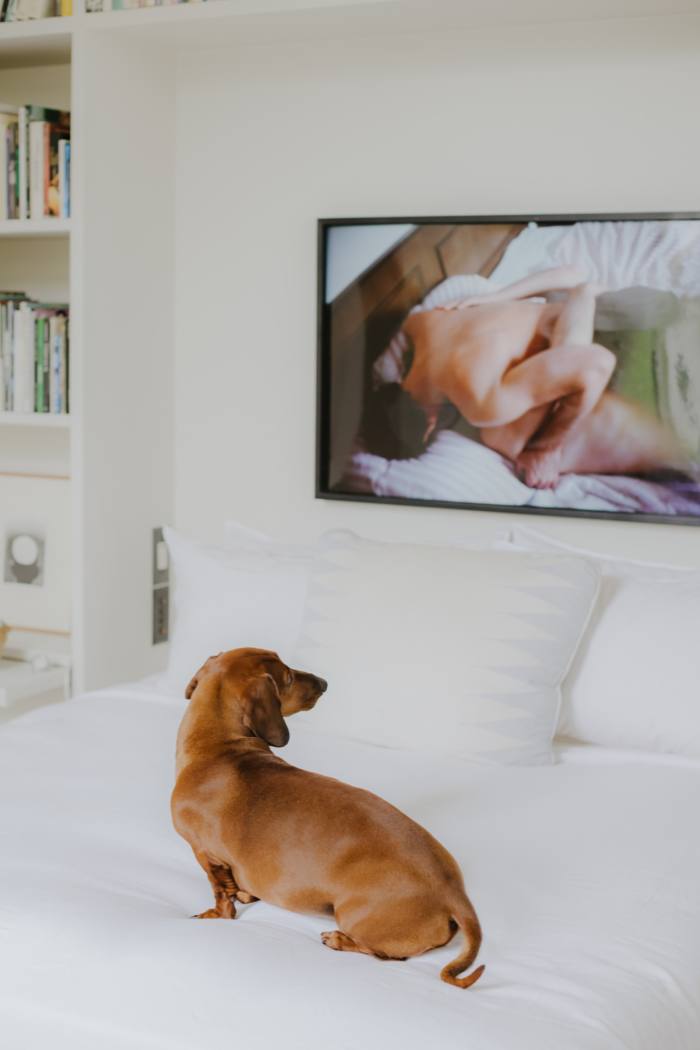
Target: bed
pixel 585 875
pixel 621 256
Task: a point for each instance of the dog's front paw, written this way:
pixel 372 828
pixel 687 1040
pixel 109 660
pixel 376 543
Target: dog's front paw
pixel 214 913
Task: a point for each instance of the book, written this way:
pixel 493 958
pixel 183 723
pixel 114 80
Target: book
pixel 54 135
pixel 34 355
pixel 12 135
pixel 9 118
pixel 28 9
pixel 36 169
pixel 8 305
pixel 54 365
pixel 45 403
pixel 23 162
pixel 64 178
pixel 39 365
pixel 23 360
pixel 45 129
pixel 63 364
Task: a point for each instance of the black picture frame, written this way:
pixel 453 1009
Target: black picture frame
pixel 322 488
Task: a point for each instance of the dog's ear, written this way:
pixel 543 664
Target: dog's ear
pixel 264 713
pixel 194 681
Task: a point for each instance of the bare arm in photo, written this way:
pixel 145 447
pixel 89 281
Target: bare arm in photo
pixel 557 279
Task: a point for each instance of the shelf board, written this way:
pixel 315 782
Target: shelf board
pixel 19 681
pixel 40 42
pixel 49 227
pixel 217 9
pixel 223 22
pixel 43 420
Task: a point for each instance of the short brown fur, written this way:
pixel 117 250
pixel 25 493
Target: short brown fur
pixel 263 829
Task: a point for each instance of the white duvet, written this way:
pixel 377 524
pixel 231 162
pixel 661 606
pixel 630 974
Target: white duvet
pixel 586 876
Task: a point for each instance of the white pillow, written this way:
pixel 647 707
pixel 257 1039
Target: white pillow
pixel 635 682
pixel 441 649
pixel 239 538
pixel 222 599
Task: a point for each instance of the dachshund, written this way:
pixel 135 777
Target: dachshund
pixel 263 829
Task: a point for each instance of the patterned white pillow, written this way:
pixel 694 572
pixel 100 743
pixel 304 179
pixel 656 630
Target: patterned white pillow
pixel 447 650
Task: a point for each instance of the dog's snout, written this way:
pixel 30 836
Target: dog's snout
pixel 322 685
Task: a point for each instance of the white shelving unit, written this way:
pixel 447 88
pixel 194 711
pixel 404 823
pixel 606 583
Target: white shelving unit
pixel 34 227
pixel 34 419
pixel 21 681
pixel 36 456
pixel 120 72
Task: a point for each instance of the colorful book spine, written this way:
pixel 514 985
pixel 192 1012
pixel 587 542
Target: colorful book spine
pixel 13 169
pixel 35 162
pixel 23 158
pixel 47 127
pixel 46 369
pixel 54 365
pixel 36 169
pixel 64 358
pixel 34 355
pixel 39 365
pixel 23 360
pixel 64 178
pixel 9 117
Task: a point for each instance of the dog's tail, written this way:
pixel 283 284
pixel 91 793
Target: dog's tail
pixel 468 923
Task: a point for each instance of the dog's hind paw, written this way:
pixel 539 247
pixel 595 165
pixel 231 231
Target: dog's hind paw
pixel 245 898
pixel 340 942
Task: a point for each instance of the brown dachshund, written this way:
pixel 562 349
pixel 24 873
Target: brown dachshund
pixel 261 828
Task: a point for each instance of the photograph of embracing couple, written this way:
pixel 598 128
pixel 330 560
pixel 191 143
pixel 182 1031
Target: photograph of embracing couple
pixel 540 365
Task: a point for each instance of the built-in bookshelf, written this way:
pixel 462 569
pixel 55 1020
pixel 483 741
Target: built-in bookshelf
pixel 36 458
pixel 102 474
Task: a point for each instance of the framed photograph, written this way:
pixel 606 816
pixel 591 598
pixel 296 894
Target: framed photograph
pixel 540 364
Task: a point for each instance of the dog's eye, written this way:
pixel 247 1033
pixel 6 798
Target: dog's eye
pixel 289 679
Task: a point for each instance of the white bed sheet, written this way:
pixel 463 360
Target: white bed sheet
pixel 586 877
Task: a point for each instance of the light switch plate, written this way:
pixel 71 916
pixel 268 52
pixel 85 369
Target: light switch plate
pixel 161 614
pixel 161 564
pixel 161 588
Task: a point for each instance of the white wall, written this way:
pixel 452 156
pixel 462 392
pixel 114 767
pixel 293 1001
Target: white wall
pixel 589 117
